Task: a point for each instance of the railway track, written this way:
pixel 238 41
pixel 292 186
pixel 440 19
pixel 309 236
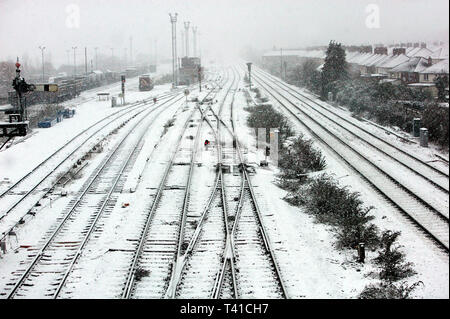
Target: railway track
pixel 413 164
pixel 159 246
pixel 47 268
pixel 23 195
pixel 432 221
pixel 230 247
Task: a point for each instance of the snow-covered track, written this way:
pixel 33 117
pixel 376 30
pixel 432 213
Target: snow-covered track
pixel 47 268
pixel 433 222
pixel 431 174
pixel 160 241
pixel 249 267
pixel 30 189
pixel 203 256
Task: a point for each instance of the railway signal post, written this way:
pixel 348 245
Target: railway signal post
pixel 123 89
pixel 249 66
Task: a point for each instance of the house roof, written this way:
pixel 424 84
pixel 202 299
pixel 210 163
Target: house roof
pixel 439 68
pixel 422 52
pixel 440 53
pixel 379 59
pixel 393 61
pixel 416 64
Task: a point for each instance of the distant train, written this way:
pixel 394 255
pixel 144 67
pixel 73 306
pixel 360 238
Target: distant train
pixel 145 83
pixel 70 87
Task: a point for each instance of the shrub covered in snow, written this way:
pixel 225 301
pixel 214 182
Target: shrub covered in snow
pixel 388 291
pixel 265 116
pixel 335 205
pixel 392 260
pixel 299 158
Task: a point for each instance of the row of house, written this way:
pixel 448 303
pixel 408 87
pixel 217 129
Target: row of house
pixel 416 66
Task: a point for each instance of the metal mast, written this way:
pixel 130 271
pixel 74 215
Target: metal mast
pixel 74 62
pixel 194 31
pixel 173 20
pixel 96 60
pixel 42 48
pixel 186 28
pixel 131 50
pixel 183 43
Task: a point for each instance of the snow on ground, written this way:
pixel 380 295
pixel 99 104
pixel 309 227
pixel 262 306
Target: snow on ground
pixel 430 262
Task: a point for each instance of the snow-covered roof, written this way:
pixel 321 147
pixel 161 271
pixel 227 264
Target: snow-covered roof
pixel 97 72
pixel 440 53
pixel 421 52
pixel 393 61
pixel 377 59
pixel 416 64
pixel 439 68
pixel 360 58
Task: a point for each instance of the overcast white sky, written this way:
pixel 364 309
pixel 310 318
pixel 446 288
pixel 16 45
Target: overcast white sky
pixel 225 25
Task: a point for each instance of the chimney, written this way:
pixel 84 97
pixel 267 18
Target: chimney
pixel 381 50
pixel 430 61
pixel 398 51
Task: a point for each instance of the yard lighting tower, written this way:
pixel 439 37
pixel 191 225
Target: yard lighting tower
pixel 194 31
pixel 112 57
pixel 249 66
pixel 42 48
pixel 186 34
pixel 173 20
pixel 96 60
pixel 68 57
pixel 74 62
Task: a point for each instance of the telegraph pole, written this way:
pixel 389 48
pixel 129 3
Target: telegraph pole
pixel 112 57
pixel 173 20
pixel 194 31
pixel 156 51
pixel 74 62
pixel 85 60
pixel 131 50
pixel 186 28
pixel 42 48
pixel 68 57
pixel 96 60
pixel 183 43
pixel 281 65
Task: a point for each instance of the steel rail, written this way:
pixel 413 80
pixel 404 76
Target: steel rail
pixel 38 257
pixel 289 90
pixel 129 283
pixel 378 149
pixel 367 179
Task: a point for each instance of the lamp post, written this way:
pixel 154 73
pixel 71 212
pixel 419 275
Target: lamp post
pixel 112 57
pixel 96 60
pixel 74 62
pixel 173 20
pixel 42 48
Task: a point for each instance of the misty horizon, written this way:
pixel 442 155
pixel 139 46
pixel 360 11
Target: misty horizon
pixel 222 25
